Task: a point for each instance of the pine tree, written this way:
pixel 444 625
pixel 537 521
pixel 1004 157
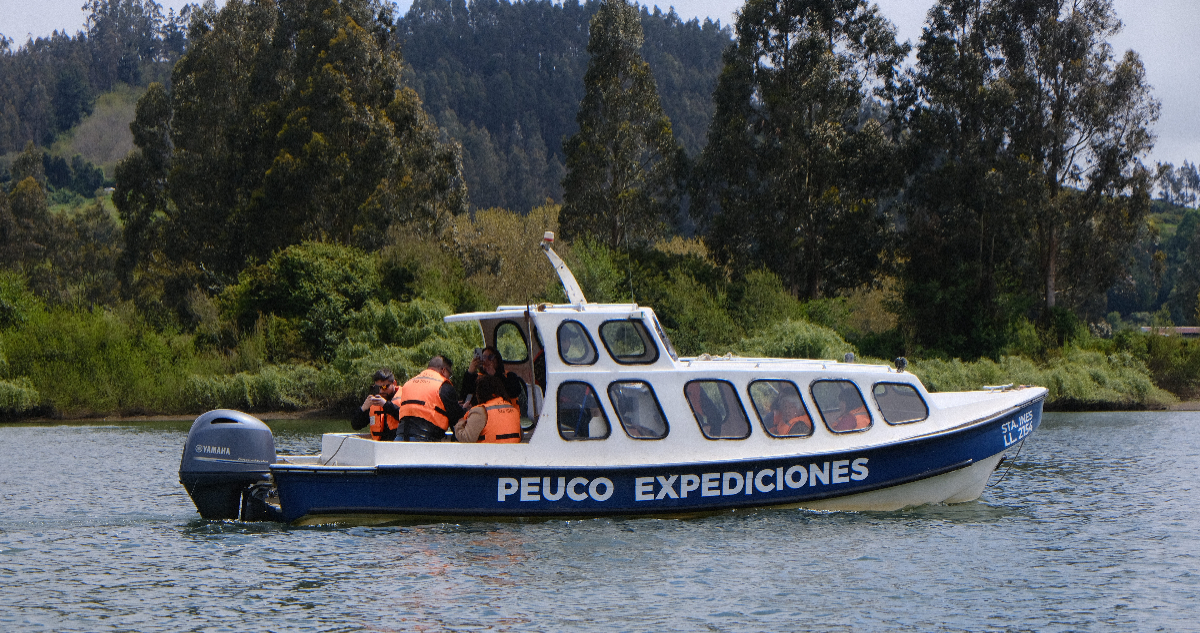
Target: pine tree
pixel 623 164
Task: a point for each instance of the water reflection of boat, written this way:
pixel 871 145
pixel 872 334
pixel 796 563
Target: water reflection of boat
pixel 629 427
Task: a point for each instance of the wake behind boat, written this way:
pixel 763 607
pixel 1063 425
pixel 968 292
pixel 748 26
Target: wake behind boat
pixel 616 423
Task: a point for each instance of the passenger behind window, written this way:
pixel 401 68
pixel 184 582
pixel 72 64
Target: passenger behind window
pixel 788 417
pixel 579 414
pixel 710 416
pixel 853 412
pixel 717 409
pixel 638 410
pixel 573 344
pixel 489 363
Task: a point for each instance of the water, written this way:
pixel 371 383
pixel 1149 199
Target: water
pixel 1093 529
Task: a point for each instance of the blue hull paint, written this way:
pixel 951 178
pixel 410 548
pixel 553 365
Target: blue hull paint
pixel 655 490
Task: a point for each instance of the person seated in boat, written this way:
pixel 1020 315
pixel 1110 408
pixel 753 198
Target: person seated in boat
pixel 577 408
pixel 430 404
pixel 709 414
pixel 853 414
pixel 788 417
pixel 381 409
pixel 489 363
pixel 494 419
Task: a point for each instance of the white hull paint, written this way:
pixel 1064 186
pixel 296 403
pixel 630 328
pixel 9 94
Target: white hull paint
pixel 959 486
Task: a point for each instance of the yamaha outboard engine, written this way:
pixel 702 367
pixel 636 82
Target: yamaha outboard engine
pixel 228 454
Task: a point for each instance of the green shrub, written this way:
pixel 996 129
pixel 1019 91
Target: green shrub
pixel 99 361
pixel 693 315
pixel 18 396
pixel 1078 378
pixel 16 301
pixel 796 339
pixel 314 283
pixel 760 300
pixel 273 388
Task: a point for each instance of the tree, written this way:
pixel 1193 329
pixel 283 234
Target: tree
pixel 25 223
pixel 288 121
pixel 124 35
pixel 141 192
pixel 965 224
pixel 798 158
pixel 622 165
pixel 1083 122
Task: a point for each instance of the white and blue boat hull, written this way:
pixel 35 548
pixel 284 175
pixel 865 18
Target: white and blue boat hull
pixel 950 465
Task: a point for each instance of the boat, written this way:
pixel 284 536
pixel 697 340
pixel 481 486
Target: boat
pixel 616 422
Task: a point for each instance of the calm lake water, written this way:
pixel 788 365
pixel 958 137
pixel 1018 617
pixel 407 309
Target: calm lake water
pixel 1094 528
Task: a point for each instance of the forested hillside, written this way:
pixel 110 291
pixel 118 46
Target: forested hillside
pixel 312 184
pixel 505 79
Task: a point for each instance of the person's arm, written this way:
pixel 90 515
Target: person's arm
pixel 454 411
pixel 359 420
pixel 392 407
pixel 468 386
pixel 469 429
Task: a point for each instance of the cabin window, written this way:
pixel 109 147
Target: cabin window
pixel 628 342
pixel 841 405
pixel 900 403
pixel 638 410
pixel 580 416
pixel 717 409
pixel 575 345
pixel 510 342
pixel 780 408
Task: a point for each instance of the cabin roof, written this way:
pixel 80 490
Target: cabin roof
pixel 508 312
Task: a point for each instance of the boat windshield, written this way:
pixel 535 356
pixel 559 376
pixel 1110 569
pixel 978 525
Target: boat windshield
pixel 662 334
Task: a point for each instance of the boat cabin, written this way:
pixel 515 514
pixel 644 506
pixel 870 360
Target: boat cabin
pixel 610 368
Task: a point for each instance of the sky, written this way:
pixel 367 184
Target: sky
pixel 1166 33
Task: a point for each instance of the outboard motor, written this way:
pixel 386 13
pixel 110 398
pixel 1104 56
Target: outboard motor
pixel 228 453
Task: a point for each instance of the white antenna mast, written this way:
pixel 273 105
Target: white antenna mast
pixel 574 293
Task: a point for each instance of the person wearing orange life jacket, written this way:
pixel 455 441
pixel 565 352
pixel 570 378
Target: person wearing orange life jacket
pixel 489 363
pixel 430 404
pixel 381 409
pixel 494 420
pixel 854 413
pixel 789 417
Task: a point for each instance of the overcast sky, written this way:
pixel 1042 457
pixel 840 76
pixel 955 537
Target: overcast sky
pixel 1166 33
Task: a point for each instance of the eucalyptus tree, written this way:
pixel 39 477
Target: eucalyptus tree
pixel 1083 120
pixel 966 223
pixel 142 198
pixel 799 154
pixel 288 121
pixel 622 165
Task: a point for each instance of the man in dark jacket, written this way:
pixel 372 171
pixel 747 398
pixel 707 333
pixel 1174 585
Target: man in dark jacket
pixel 429 405
pixel 381 409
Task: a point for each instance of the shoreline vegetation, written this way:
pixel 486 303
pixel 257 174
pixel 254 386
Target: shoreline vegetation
pixel 266 240
pixel 300 334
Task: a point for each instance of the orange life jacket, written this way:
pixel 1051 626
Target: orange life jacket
pixel 785 427
pixel 503 424
pixel 854 420
pixel 381 420
pixel 422 400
